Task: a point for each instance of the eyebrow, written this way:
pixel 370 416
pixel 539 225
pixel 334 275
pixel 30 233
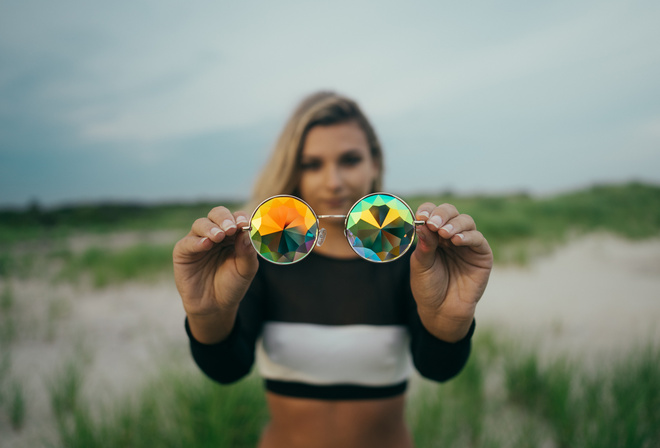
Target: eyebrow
pixel 348 152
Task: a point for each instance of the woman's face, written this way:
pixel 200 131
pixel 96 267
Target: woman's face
pixel 337 168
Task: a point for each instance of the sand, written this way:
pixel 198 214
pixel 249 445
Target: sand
pixel 597 295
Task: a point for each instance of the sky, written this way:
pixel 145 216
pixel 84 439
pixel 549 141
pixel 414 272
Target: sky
pixel 162 100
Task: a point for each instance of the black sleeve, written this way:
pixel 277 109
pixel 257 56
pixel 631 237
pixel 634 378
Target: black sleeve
pixel 433 358
pixel 232 359
pixel 436 359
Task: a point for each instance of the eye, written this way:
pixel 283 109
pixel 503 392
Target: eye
pixel 310 165
pixel 351 159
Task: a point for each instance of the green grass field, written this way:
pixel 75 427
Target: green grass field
pixel 631 209
pixel 506 397
pixel 518 227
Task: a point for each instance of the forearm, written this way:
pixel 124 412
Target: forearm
pixel 436 359
pixel 212 328
pixel 448 327
pixel 228 360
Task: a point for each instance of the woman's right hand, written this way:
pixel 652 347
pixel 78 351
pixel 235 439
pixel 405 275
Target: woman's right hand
pixel 213 268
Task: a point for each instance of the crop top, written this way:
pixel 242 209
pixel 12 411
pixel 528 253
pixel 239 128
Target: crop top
pixel 329 328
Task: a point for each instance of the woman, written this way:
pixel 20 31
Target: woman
pixel 334 334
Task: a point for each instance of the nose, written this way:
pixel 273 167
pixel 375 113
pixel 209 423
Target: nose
pixel 333 177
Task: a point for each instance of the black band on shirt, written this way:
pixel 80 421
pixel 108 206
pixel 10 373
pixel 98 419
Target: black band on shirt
pixel 335 391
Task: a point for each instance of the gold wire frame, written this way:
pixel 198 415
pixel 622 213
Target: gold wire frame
pixel 293 236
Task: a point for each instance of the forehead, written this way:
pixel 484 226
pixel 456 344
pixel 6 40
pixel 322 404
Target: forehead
pixel 334 139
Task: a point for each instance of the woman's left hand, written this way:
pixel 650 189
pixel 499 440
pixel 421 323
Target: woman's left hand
pixel 449 270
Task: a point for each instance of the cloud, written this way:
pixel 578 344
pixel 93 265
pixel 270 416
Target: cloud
pixel 452 88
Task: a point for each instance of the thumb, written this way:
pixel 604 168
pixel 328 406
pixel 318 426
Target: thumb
pixel 427 243
pixel 246 257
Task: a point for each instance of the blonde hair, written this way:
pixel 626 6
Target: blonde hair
pixel 281 174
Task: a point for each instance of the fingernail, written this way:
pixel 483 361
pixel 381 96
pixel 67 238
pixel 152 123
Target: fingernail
pixel 246 240
pixel 461 236
pixel 241 220
pixel 448 228
pixel 423 213
pixel 435 221
pixel 228 224
pixel 215 231
pixel 202 241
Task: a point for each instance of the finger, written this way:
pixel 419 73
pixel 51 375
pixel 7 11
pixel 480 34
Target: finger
pixel 427 243
pixel 424 211
pixel 189 246
pixel 224 219
pixel 205 228
pixel 246 257
pixel 242 220
pixel 440 215
pixel 473 239
pixel 457 225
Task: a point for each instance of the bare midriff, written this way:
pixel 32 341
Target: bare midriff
pixel 309 423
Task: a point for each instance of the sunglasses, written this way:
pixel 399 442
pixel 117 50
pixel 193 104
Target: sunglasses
pixel 380 227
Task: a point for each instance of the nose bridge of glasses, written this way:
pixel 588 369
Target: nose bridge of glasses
pixel 321 238
pixel 332 216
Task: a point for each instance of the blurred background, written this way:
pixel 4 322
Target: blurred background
pixel 164 101
pixel 122 122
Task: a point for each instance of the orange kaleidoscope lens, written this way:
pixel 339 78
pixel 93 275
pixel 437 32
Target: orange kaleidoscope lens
pixel 380 227
pixel 283 229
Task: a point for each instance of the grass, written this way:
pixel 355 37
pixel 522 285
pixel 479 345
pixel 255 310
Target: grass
pixel 619 405
pixel 65 389
pixel 106 267
pixel 533 403
pixel 17 406
pixel 175 410
pixel 506 396
pixel 12 394
pixel 518 228
pixel 7 315
pixel 38 223
pixel 632 209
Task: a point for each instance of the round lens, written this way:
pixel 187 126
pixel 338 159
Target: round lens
pixel 380 227
pixel 284 229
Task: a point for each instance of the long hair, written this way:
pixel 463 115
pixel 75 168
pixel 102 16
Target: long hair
pixel 281 174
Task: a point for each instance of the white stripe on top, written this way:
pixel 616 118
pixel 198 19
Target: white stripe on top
pixel 370 355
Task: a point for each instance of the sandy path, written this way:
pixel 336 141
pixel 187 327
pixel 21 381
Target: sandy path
pixel 119 337
pixel 598 294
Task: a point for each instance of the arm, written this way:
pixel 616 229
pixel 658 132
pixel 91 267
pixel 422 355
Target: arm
pixel 232 358
pixel 434 358
pixel 213 269
pixel 449 271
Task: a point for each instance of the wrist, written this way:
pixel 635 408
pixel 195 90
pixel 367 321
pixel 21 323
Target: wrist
pixel 214 327
pixel 446 328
